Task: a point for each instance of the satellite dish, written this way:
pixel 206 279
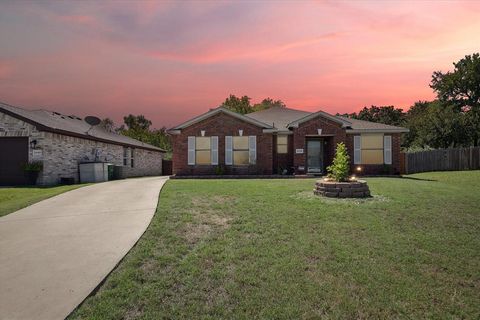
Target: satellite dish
pixel 93 121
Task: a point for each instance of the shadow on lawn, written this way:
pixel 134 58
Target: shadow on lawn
pixel 418 179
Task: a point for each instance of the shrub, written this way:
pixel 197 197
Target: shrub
pixel 340 166
pixel 33 166
pixel 219 170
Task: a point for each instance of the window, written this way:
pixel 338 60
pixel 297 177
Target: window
pixel 372 148
pixel 132 157
pixel 202 150
pixel 282 144
pixel 240 151
pixel 125 156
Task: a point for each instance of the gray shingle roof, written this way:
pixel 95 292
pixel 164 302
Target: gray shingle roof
pixel 280 118
pixel 73 125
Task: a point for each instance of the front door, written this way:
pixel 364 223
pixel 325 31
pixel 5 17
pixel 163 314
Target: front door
pixel 314 156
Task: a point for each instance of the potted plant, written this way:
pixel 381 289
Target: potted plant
pixel 32 169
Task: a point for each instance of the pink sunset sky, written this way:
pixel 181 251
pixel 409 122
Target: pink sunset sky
pixel 173 60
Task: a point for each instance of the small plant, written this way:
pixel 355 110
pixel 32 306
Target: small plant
pixel 219 170
pixel 339 168
pixel 33 166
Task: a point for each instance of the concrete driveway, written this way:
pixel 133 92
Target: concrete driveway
pixel 55 252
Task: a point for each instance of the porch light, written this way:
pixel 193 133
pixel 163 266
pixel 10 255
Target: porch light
pixel 240 132
pixel 202 132
pixel 319 132
pixel 359 169
pixel 33 144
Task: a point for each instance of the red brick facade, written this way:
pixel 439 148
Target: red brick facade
pixel 332 133
pixel 222 125
pixel 268 161
pixel 377 169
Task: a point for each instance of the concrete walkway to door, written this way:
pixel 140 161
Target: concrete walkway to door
pixel 55 252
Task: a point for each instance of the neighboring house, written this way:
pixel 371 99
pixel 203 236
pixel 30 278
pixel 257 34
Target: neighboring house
pixel 279 140
pixel 62 142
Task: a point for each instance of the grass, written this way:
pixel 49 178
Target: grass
pixel 247 249
pixel 13 199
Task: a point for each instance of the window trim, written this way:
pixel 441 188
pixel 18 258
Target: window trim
pixel 247 149
pixel 282 144
pixel 203 149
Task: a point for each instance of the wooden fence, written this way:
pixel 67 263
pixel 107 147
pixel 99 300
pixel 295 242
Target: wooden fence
pixel 443 160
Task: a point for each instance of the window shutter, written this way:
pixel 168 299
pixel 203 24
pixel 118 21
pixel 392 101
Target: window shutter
pixel 357 150
pixel 252 149
pixel 191 151
pixel 387 149
pixel 214 150
pixel 228 150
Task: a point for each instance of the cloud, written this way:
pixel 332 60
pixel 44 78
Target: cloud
pixel 172 60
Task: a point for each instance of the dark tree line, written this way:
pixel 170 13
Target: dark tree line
pixel 139 127
pixel 452 120
pixel 243 105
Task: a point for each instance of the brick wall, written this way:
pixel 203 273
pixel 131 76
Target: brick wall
pixel 283 160
pixel 311 128
pixel 61 154
pixel 222 125
pixel 377 169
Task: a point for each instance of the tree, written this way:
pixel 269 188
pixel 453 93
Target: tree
pixel 108 124
pixel 461 88
pixel 241 105
pixel 268 103
pixel 137 122
pixel 339 168
pixel 435 124
pixel 383 114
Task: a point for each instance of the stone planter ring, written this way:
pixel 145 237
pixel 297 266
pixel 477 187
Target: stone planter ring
pixel 350 189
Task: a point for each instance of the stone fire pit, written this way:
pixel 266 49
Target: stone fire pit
pixel 350 189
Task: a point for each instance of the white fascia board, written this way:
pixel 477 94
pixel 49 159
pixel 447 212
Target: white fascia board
pixel 296 123
pixel 399 130
pixel 213 112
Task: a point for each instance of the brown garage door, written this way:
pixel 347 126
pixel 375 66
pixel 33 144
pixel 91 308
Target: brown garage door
pixel 13 154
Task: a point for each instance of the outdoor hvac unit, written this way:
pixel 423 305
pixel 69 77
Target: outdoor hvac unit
pixel 93 172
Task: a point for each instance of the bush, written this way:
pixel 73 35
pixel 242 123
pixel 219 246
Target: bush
pixel 340 165
pixel 33 166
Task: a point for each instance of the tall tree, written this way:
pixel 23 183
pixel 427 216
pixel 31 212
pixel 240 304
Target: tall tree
pixel 137 122
pixel 461 88
pixel 268 103
pixel 241 105
pixel 435 124
pixel 382 114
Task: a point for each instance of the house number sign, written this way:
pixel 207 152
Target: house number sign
pixel 37 154
pixel 299 151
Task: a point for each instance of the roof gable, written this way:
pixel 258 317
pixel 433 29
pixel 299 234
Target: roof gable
pixel 215 111
pixel 278 117
pixel 296 123
pixel 71 125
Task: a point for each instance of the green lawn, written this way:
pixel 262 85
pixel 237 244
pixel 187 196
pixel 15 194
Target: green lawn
pixel 270 249
pixel 12 199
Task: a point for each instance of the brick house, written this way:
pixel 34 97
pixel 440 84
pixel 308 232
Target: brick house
pixel 62 142
pixel 281 140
